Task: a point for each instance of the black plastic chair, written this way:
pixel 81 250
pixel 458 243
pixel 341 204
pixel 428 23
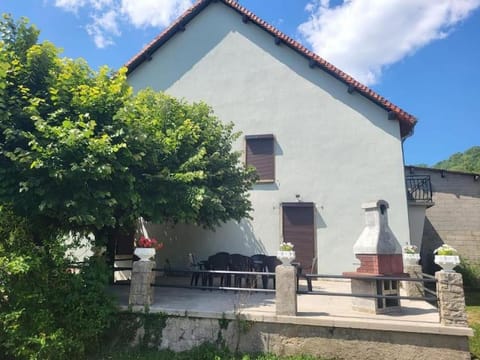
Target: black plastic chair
pixel 219 261
pixel 271 262
pixel 240 262
pixel 196 266
pixel 259 266
pixel 258 262
pixel 299 268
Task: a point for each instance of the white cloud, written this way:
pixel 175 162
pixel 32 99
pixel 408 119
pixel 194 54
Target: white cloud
pixel 70 5
pixel 101 28
pixel 156 13
pixel 362 37
pixel 101 4
pixel 107 15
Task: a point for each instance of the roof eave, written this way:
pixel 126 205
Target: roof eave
pixel 165 35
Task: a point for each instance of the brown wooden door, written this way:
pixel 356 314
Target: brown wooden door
pixel 299 229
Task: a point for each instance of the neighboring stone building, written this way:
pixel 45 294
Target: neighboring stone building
pixel 322 143
pixel 454 218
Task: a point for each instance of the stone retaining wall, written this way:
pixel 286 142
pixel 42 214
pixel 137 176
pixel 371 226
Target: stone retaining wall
pixel 184 332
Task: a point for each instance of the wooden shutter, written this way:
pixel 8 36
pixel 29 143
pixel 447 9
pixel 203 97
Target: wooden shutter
pixel 299 229
pixel 260 154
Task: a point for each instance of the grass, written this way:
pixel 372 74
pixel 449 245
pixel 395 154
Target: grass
pixel 204 352
pixel 472 300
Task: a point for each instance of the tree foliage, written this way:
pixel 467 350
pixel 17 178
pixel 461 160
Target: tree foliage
pixel 182 156
pixel 79 152
pixel 468 161
pixel 47 311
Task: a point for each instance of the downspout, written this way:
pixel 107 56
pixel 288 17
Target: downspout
pixel 410 133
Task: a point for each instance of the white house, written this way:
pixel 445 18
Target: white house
pixel 322 142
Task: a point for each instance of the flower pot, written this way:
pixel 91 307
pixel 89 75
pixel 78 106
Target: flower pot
pixel 145 254
pixel 286 257
pixel 447 262
pixel 411 259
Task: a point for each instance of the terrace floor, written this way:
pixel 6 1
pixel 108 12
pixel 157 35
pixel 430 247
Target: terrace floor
pixel 318 310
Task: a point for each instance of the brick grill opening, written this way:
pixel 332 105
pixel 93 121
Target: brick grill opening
pixel 378 264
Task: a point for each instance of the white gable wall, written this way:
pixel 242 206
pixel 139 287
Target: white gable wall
pixel 332 148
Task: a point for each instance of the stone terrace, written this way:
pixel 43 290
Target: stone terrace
pixel 335 311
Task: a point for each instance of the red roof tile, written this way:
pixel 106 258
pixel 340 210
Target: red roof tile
pixel 407 121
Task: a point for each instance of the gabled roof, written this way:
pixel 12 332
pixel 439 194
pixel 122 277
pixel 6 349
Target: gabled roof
pixel 407 121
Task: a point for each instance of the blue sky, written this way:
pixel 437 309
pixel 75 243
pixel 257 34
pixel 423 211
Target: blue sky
pixel 423 55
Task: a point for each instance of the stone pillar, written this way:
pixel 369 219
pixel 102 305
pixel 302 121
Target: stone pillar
pixel 451 299
pixel 286 290
pixel 141 291
pixel 413 288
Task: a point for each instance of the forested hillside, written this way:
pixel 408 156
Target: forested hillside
pixel 468 161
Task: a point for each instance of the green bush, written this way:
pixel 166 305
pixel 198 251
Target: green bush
pixel 470 272
pixel 47 309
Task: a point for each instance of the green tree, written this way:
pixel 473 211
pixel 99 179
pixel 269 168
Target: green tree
pixel 184 166
pixel 468 161
pixel 79 152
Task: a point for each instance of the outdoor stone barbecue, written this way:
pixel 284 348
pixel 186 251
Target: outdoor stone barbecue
pixel 377 248
pixel 380 254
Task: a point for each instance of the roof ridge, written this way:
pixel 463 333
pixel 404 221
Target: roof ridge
pixel 407 121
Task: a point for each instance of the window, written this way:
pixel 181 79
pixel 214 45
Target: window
pixel 260 155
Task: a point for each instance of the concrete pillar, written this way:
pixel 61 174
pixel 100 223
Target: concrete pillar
pixel 451 299
pixel 413 288
pixel 141 291
pixel 286 290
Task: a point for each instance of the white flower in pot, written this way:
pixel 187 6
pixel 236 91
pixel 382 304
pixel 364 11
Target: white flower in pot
pixel 447 257
pixel 410 255
pixel 286 254
pixel 146 248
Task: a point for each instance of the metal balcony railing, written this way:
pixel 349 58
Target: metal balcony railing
pixel 419 188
